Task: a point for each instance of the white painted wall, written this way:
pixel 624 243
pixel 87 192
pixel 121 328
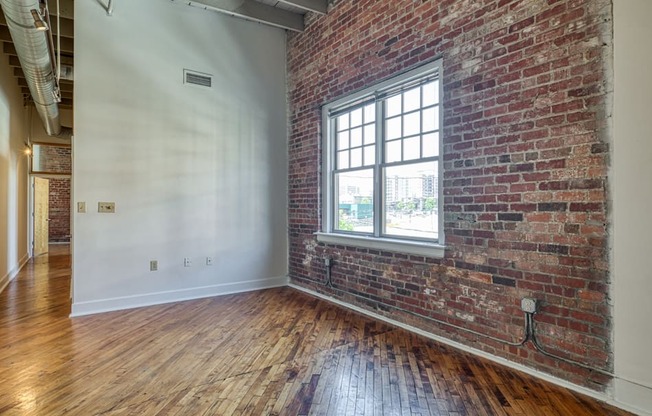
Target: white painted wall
pixel 632 187
pixel 13 176
pixel 193 172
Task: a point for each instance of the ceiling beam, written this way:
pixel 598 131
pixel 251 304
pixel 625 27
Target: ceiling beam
pixel 64 94
pixel 14 62
pixel 67 44
pixel 66 8
pixel 317 6
pixel 254 11
pixel 63 85
pixel 67 26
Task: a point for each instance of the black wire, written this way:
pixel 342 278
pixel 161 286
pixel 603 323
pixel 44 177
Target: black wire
pixel 529 329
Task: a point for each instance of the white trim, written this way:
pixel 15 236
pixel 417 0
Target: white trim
pixel 327 197
pixel 4 282
pixel 603 397
pixel 149 299
pixel 633 397
pixel 401 246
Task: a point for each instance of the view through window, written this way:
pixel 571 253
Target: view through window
pixel 386 162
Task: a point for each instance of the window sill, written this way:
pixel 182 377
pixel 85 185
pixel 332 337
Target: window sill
pixel 419 248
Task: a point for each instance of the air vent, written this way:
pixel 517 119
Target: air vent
pixel 197 78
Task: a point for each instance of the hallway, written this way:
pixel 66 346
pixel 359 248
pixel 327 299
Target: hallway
pixel 268 352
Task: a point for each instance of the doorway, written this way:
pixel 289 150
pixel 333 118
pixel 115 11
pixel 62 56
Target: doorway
pixel 41 216
pixel 51 169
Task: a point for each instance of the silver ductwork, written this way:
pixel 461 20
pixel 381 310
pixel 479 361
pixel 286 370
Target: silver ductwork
pixel 32 42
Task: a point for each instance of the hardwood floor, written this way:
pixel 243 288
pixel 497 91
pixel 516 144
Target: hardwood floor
pixel 272 352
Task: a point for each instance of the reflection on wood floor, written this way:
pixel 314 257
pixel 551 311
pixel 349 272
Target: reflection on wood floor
pixel 271 352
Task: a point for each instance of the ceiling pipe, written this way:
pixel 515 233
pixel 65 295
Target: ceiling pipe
pixel 26 20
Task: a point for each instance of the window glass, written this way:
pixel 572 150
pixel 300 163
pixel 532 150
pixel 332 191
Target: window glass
pixel 411 198
pixel 354 201
pixel 387 151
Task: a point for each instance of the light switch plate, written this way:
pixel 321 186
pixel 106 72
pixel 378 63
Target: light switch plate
pixel 81 207
pixel 106 207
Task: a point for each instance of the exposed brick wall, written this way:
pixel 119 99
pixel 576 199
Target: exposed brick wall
pixel 54 159
pixel 59 210
pixel 526 90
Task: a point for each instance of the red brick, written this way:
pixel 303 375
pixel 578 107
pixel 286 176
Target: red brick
pixel 519 132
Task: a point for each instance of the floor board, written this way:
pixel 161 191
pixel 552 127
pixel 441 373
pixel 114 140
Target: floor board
pixel 271 352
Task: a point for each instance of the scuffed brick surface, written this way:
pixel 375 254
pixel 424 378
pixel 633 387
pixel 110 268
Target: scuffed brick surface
pixel 59 210
pixel 526 97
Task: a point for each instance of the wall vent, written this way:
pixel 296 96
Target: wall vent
pixel 197 78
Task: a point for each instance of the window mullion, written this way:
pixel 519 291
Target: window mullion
pixel 379 210
pixel 334 209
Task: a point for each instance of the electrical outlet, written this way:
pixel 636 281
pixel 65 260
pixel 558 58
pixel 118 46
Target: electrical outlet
pixel 209 261
pixel 81 207
pixel 529 305
pixel 106 207
pixel 187 262
pixel 153 265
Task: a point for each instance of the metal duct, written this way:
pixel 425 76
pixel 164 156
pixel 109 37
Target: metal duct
pixel 35 58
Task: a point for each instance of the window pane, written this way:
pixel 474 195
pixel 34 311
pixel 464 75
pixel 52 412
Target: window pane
pixel 51 159
pixel 354 199
pixel 412 124
pixel 412 99
pixel 393 106
pixel 393 128
pixel 412 148
pixel 356 137
pixel 431 145
pixel 369 155
pixel 356 117
pixel 343 160
pixel 343 122
pixel 431 93
pixel 411 198
pixel 430 119
pixel 369 134
pixel 343 140
pixel 356 157
pixel 370 113
pixel 393 151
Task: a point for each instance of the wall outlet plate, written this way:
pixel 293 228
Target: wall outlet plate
pixel 106 207
pixel 153 265
pixel 187 262
pixel 529 305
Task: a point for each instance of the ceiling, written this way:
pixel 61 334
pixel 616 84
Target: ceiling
pixel 67 47
pixel 284 14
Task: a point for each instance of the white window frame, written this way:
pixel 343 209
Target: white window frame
pixel 328 233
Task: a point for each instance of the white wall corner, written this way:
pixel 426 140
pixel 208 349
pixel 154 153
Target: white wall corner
pixel 633 397
pixel 4 282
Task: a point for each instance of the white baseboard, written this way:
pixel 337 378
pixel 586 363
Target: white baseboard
pixel 4 282
pixel 149 299
pixel 604 397
pixel 633 397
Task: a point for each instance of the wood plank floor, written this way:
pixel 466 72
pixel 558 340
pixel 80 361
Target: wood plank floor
pixel 272 352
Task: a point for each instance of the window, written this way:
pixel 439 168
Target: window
pixel 382 170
